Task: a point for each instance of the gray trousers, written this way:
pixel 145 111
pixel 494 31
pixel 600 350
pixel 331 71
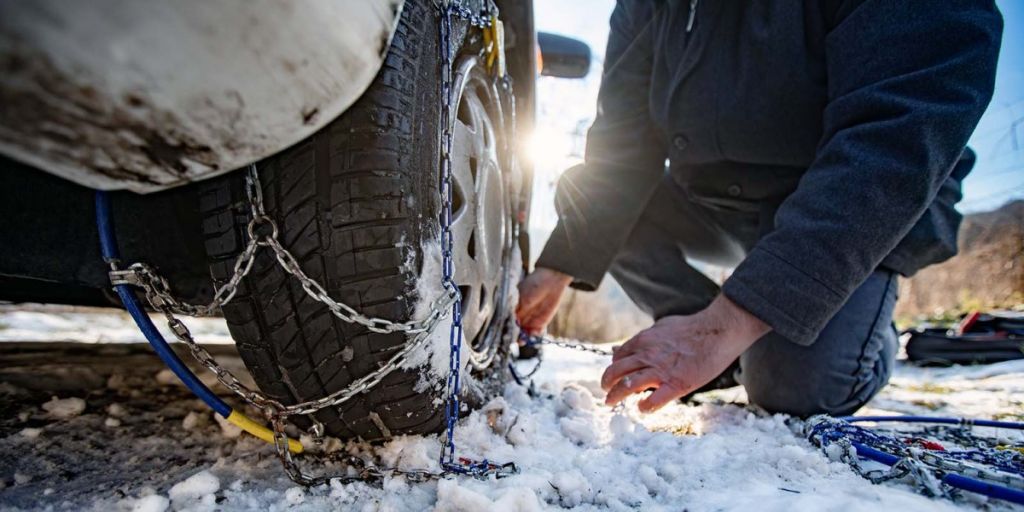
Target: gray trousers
pixel 850 361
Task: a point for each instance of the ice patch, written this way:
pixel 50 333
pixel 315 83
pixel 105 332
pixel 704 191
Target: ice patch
pixel 64 408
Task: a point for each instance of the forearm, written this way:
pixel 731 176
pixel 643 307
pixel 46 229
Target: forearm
pixel 599 202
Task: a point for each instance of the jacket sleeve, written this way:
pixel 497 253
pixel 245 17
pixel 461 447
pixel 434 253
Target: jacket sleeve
pixel 599 201
pixel 908 82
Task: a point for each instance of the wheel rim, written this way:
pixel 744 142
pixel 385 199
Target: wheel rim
pixel 481 217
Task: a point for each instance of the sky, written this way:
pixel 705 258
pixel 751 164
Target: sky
pixel 566 108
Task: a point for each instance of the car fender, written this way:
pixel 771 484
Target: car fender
pixel 147 95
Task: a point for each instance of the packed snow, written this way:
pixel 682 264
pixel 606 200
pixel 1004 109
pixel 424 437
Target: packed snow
pixel 165 451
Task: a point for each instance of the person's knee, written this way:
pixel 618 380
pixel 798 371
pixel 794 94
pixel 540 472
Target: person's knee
pixel 800 400
pixel 803 388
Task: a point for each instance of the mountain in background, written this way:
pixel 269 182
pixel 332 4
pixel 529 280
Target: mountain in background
pixel 988 272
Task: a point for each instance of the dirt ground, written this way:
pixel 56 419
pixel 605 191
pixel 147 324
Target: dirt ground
pixel 68 457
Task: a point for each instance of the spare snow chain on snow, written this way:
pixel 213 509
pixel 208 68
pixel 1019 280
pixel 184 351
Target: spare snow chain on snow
pixel 933 469
pixel 263 232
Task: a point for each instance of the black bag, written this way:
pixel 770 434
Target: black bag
pixel 980 338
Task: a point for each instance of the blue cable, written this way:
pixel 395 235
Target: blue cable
pixel 109 248
pixel 934 419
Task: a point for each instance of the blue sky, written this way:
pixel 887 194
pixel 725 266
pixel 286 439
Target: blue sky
pixel 565 105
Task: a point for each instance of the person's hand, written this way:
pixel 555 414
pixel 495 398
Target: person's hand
pixel 539 295
pixel 680 354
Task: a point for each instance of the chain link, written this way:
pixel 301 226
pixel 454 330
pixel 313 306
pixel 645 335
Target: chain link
pixel 531 340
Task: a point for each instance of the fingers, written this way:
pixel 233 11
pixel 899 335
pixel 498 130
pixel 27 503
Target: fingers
pixel 619 369
pixel 661 396
pixel 633 383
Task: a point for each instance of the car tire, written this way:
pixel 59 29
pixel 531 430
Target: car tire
pixel 358 205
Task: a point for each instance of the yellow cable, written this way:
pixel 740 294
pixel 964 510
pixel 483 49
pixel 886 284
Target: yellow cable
pixel 1010 448
pixel 245 423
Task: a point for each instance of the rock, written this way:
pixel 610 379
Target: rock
pixel 167 378
pixel 64 408
pixel 227 428
pixel 31 433
pixel 115 381
pixel 192 420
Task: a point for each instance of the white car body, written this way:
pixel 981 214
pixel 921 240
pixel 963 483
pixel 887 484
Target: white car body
pixel 146 95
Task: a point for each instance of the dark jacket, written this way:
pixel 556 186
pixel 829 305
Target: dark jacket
pixel 843 122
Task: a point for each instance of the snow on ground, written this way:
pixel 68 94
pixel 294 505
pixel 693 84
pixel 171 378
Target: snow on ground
pixel 92 325
pixel 166 452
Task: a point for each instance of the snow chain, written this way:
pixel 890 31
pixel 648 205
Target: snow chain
pixel 922 464
pixel 263 232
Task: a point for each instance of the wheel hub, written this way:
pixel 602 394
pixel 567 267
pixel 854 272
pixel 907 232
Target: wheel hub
pixel 481 218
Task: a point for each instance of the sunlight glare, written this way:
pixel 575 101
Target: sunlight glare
pixel 550 151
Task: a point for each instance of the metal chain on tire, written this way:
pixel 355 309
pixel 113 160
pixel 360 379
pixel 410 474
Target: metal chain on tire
pixel 157 293
pixel 263 232
pixel 447 458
